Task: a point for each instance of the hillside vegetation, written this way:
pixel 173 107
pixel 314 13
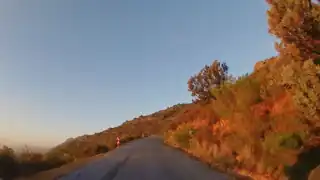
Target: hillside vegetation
pixel 264 124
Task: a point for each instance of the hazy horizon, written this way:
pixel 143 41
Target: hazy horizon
pixel 69 68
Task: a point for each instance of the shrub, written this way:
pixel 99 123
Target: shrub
pixel 209 77
pixel 291 141
pixel 237 97
pixel 225 162
pixel 8 163
pixel 303 81
pixel 101 149
pixel 183 135
pixel 307 160
pixel 56 159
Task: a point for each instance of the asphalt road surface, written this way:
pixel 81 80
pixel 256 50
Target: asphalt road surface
pixel 145 159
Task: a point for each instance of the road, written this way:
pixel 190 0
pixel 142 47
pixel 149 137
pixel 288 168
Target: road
pixel 145 159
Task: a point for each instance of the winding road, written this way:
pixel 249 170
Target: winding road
pixel 145 159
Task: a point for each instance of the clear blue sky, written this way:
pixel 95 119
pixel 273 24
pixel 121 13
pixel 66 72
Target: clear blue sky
pixel 69 68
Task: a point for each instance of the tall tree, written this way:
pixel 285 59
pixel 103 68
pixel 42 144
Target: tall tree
pixel 296 23
pixel 209 77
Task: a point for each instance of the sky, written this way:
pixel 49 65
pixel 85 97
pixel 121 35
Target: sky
pixel 69 68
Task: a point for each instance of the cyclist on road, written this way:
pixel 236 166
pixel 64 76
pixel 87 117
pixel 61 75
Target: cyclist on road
pixel 118 141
